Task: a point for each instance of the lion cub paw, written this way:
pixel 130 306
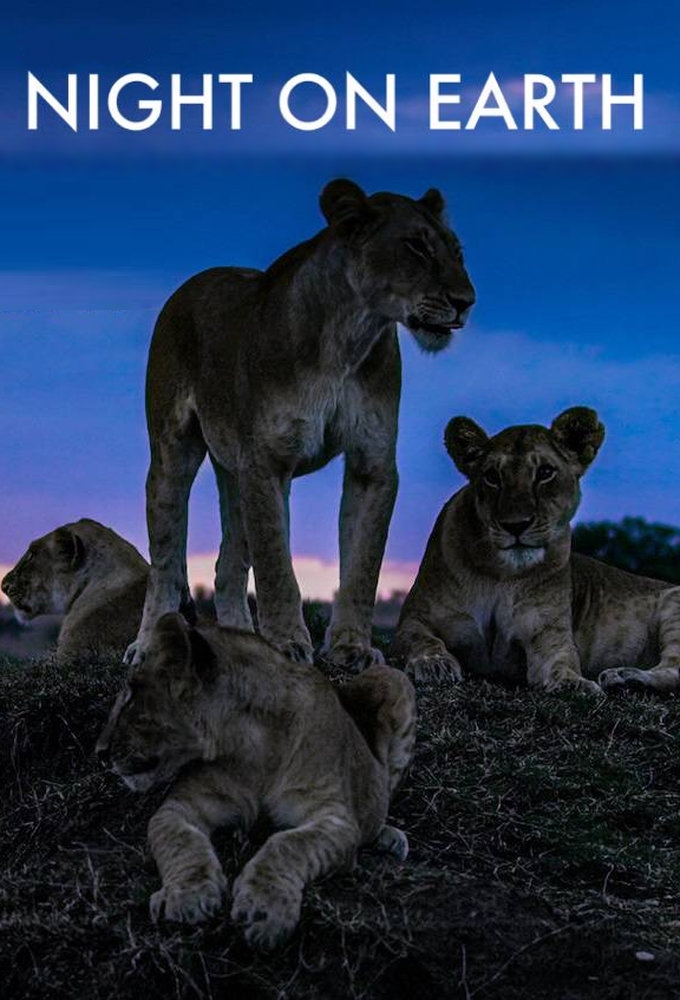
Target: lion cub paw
pixel 188 904
pixel 393 841
pixel 434 668
pixel 268 913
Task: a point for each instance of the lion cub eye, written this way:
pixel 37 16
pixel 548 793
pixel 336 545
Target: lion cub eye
pixel 492 478
pixel 419 247
pixel 545 473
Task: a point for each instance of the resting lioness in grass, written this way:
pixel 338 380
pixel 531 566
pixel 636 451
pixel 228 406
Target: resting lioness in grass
pixel 244 730
pixel 89 574
pixel 499 591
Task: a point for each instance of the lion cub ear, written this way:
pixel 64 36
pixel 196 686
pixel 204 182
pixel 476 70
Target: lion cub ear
pixel 345 207
pixel 579 432
pixel 70 548
pixel 433 201
pixel 185 659
pixel 466 443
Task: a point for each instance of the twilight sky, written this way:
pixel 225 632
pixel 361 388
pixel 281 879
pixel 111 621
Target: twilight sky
pixel 571 239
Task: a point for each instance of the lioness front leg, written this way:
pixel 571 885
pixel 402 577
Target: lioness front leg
pixel 368 497
pixel 553 661
pixel 193 883
pixel 279 607
pixel 424 655
pixel 268 893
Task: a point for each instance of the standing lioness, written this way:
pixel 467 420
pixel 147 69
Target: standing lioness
pixel 498 589
pixel 274 373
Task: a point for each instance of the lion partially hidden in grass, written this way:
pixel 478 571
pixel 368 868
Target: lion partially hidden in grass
pixel 499 591
pixel 242 730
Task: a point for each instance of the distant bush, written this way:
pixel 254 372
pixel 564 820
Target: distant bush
pixel 632 544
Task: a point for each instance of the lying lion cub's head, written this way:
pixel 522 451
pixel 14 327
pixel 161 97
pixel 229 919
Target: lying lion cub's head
pixel 402 259
pixel 525 480
pixel 155 725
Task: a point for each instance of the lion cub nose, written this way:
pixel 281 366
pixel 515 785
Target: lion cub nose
pixel 517 528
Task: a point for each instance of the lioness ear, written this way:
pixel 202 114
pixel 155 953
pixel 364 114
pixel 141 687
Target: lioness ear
pixel 433 201
pixel 465 442
pixel 579 432
pixel 70 547
pixel 345 207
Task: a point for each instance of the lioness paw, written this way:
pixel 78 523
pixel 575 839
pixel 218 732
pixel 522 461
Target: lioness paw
pixel 188 904
pixel 268 913
pixel 296 650
pixel 134 655
pixel 352 657
pixel 434 668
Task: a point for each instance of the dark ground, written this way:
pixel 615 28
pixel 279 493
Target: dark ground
pixel 545 861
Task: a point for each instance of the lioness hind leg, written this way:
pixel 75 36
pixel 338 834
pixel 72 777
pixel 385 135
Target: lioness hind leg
pixel 175 460
pixel 660 678
pixel 665 676
pixel 383 705
pixel 233 562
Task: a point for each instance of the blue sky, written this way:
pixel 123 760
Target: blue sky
pixel 571 239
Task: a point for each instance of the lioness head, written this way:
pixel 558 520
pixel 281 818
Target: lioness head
pixel 525 480
pixel 47 576
pixel 154 727
pixel 403 259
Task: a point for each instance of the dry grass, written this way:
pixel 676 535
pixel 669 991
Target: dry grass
pixel 545 856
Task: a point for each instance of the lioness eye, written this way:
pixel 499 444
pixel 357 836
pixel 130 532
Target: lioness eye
pixel 418 247
pixel 492 478
pixel 545 473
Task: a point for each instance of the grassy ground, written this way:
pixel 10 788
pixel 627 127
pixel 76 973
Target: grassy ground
pixel 545 861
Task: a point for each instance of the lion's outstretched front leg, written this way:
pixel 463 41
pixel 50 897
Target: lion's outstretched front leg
pixel 179 835
pixel 268 892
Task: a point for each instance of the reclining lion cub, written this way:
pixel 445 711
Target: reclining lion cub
pixel 272 374
pixel 499 591
pixel 89 574
pixel 242 730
